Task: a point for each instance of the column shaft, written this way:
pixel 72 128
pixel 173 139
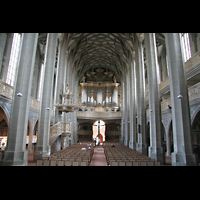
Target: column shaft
pixel 60 79
pixel 126 111
pixel 156 145
pixel 141 100
pixel 16 153
pixel 123 112
pixel 183 153
pixel 43 148
pixel 132 142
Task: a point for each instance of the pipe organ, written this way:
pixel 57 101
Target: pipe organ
pixel 99 91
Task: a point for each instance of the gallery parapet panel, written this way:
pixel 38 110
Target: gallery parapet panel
pixel 99 115
pixel 192 67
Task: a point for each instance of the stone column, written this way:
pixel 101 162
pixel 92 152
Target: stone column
pixel 123 112
pixel 183 153
pixel 132 142
pixel 156 146
pixel 60 78
pixel 126 111
pixel 16 153
pixel 43 148
pixel 64 114
pixel 141 98
pixel 75 113
pixel 71 114
pixel 63 139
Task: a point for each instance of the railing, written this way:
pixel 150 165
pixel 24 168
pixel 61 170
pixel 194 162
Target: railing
pixel 192 67
pixel 99 114
pixel 100 104
pixel 58 129
pixel 193 94
pixel 193 61
pixel 7 91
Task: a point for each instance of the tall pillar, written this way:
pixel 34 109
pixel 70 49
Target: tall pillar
pixel 183 153
pixel 75 113
pixel 16 153
pixel 64 114
pixel 156 146
pixel 141 98
pixel 126 111
pixel 123 112
pixel 60 76
pixel 43 148
pixel 132 142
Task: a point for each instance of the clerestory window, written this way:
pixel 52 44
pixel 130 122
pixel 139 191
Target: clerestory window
pixel 14 59
pixel 41 81
pixel 186 46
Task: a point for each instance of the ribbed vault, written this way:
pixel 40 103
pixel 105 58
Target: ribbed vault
pixel 100 50
pixel 112 51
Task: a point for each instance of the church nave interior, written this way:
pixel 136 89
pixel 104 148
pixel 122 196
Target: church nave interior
pixel 136 94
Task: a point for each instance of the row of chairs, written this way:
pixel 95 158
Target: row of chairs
pixel 74 155
pixel 61 163
pixel 109 143
pixel 124 156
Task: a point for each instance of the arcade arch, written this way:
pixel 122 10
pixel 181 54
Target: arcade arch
pixel 196 135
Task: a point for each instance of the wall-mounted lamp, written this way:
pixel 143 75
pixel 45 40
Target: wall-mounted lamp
pixel 179 96
pixel 19 94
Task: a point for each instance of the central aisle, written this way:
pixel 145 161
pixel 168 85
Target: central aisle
pixel 98 158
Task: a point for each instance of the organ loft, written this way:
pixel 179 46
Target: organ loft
pixel 99 99
pixel 99 91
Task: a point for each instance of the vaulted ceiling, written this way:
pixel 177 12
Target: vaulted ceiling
pixel 107 50
pixel 94 50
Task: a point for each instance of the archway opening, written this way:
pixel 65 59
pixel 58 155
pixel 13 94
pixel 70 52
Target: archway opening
pixel 102 131
pixel 3 129
pixel 196 136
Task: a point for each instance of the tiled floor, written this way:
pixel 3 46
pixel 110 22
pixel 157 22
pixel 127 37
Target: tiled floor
pixel 98 158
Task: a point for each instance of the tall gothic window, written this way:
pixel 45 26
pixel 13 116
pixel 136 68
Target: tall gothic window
pixel 14 59
pixel 185 46
pixel 40 82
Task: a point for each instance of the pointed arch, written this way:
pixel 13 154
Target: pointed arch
pixel 2 106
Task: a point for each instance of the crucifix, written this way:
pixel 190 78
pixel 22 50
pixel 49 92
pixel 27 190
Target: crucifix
pixel 98 131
